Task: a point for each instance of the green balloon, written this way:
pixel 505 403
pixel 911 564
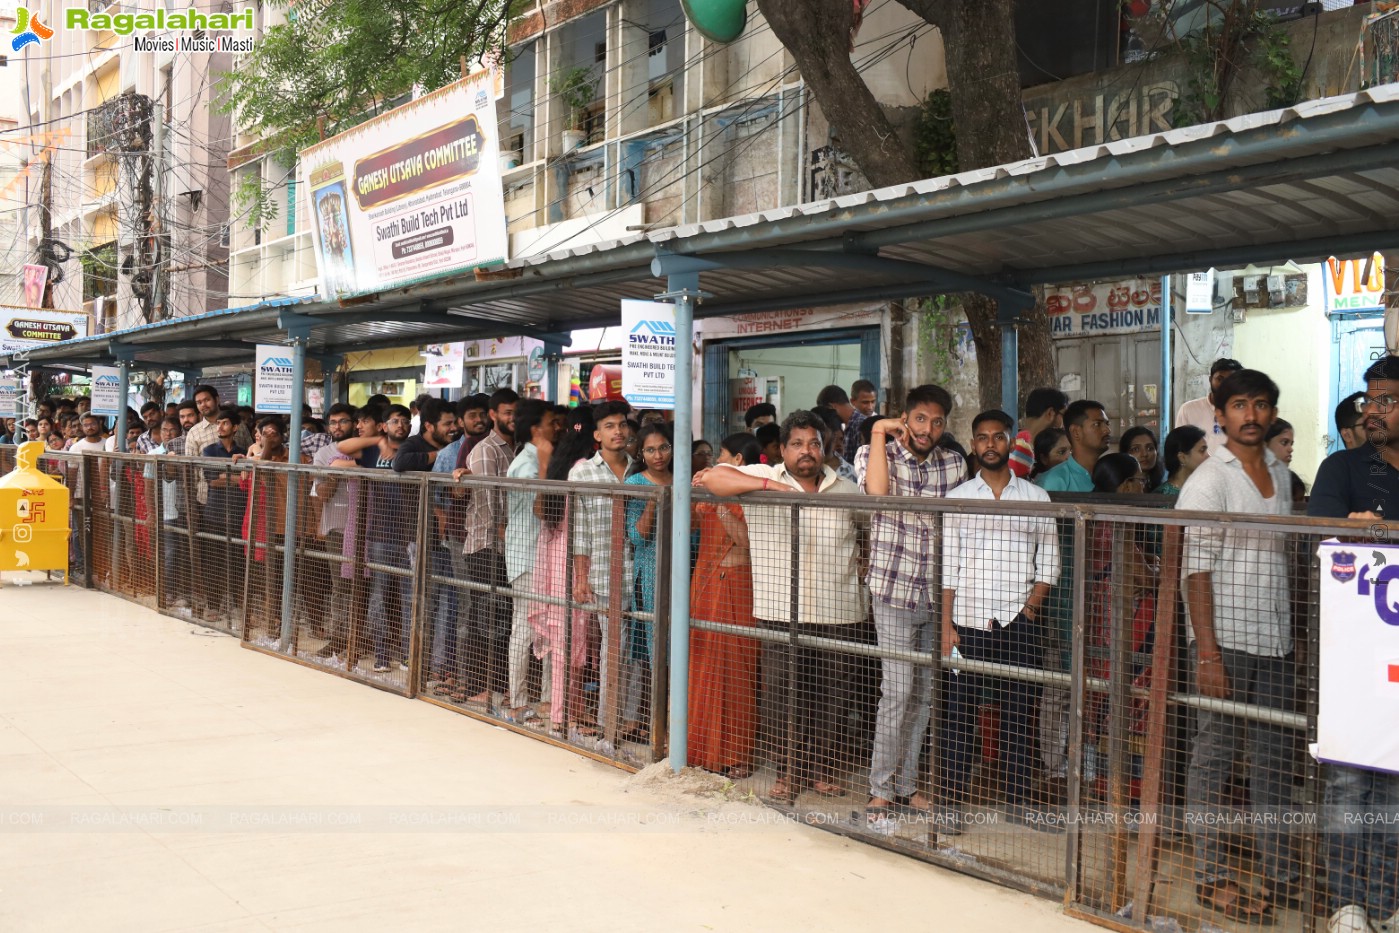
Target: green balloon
pixel 720 20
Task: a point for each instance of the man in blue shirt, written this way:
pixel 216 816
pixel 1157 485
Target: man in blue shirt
pixel 1089 431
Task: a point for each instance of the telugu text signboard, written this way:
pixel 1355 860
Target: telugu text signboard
pixel 1358 690
pixel 26 328
pixel 275 368
pixel 411 195
pixel 648 356
pixel 1125 307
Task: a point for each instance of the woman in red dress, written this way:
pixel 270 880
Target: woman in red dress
pixel 724 668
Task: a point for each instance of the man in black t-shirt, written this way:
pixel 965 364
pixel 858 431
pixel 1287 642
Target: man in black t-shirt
pixel 1361 851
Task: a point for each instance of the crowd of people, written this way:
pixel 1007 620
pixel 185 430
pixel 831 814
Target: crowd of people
pixel 520 574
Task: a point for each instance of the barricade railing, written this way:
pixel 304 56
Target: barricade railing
pixel 1072 750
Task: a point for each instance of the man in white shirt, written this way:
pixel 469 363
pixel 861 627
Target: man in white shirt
pixel 91 441
pixel 998 567
pixel 831 600
pixel 1240 628
pixel 333 496
pixel 1200 411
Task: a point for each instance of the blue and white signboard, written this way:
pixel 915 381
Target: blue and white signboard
pixel 106 391
pixel 1359 684
pixel 272 391
pixel 648 355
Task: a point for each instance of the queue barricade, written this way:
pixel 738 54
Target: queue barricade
pixel 1073 755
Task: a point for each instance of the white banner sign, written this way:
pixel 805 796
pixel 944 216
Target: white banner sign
pixel 411 195
pixel 272 391
pixel 23 328
pixel 648 356
pixel 1354 284
pixel 443 368
pixel 106 391
pixel 12 398
pixel 1199 292
pixel 1359 656
pixel 1125 307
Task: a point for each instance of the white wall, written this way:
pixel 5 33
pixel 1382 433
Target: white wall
pixel 1292 345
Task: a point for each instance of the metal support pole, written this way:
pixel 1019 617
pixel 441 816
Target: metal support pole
pixel 123 387
pixel 299 339
pixel 1163 392
pixel 684 289
pixel 553 353
pixel 1010 369
pixel 329 365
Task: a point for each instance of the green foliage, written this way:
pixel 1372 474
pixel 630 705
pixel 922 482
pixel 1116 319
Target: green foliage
pixel 257 203
pixel 1241 37
pixel 99 266
pixel 935 137
pixel 937 334
pixel 577 88
pixel 342 61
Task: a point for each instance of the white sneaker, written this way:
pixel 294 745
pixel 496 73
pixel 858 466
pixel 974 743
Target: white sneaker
pixel 1349 919
pixel 1389 926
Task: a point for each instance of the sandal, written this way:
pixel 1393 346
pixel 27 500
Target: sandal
pixel 1227 898
pixel 737 772
pixel 782 791
pixel 827 789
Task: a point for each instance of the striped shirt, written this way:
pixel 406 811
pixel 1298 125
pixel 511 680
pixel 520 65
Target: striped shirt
pixel 904 545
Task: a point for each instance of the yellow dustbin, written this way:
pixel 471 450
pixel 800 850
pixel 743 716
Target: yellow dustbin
pixel 33 516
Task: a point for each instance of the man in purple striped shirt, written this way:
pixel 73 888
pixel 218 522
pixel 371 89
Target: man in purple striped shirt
pixel 904 459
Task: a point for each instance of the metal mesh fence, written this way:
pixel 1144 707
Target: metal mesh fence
pixel 541 609
pixel 1124 721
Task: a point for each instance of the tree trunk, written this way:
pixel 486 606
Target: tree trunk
pixel 984 85
pixel 817 34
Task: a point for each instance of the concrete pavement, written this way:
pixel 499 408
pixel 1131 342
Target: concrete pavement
pixel 155 777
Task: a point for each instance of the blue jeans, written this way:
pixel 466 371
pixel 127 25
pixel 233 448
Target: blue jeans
pixel 1362 861
pixel 390 555
pixel 905 699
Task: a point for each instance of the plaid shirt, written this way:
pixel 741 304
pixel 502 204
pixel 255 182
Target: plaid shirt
pixel 491 457
pixel 147 443
pixel 850 441
pixel 311 443
pixel 593 526
pixel 903 545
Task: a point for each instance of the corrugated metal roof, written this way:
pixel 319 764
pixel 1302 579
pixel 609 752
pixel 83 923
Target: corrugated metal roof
pixel 1314 180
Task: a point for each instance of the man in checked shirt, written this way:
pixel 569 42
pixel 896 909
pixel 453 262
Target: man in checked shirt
pixel 903 459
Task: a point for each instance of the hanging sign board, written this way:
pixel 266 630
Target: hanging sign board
pixel 444 365
pixel 272 391
pixel 411 195
pixel 1354 285
pixel 23 328
pixel 12 398
pixel 1359 656
pixel 1199 292
pixel 648 356
pixel 1126 307
pixel 106 391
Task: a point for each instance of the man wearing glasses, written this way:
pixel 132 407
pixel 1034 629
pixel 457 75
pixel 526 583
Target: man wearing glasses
pixel 1363 482
pixel 903 459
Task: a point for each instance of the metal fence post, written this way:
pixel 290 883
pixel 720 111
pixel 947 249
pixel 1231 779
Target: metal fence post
pixel 1077 565
pixel 155 515
pixel 685 291
pixel 421 582
pixel 300 336
pixel 663 646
